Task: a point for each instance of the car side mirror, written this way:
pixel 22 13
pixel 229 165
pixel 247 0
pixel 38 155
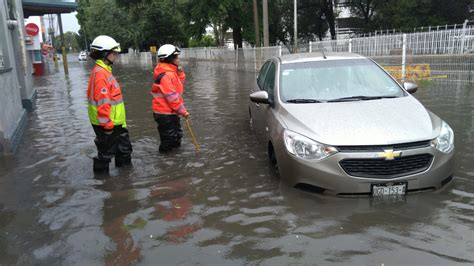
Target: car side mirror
pixel 260 97
pixel 410 87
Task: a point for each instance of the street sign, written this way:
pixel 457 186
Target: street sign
pixel 153 49
pixel 32 29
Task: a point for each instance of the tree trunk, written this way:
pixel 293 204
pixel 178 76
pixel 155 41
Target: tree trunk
pixel 256 24
pixel 329 11
pixel 237 36
pixel 265 23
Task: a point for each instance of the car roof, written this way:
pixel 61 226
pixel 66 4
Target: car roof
pixel 318 56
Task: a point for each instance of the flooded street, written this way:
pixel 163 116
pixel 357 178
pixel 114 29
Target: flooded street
pixel 221 206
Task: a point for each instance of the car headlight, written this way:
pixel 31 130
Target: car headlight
pixel 306 148
pixel 445 141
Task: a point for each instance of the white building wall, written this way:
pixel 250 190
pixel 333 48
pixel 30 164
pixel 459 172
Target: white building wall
pixel 12 114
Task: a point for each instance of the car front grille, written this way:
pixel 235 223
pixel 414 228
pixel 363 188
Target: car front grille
pixel 381 168
pixel 377 148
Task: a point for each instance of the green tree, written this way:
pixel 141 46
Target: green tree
pixel 221 15
pixel 407 14
pixel 312 24
pixel 204 41
pixel 136 23
pixel 104 17
pixel 364 9
pixel 155 22
pixel 70 42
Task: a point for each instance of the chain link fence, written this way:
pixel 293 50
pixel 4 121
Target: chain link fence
pixel 439 54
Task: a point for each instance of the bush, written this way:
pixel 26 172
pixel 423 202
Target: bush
pixel 204 41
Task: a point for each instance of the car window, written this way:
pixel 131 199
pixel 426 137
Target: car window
pixel 332 79
pixel 261 75
pixel 269 83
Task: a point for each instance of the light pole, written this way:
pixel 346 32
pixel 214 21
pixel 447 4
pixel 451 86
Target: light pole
pixel 266 42
pixel 296 28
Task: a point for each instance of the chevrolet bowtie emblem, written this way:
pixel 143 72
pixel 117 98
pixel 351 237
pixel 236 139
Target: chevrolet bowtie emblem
pixel 389 154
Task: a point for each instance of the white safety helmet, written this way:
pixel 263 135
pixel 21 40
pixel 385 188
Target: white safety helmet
pixel 168 50
pixel 105 43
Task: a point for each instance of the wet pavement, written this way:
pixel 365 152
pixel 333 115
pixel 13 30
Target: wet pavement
pixel 221 206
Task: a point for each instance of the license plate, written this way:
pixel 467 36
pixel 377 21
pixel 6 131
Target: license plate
pixel 388 190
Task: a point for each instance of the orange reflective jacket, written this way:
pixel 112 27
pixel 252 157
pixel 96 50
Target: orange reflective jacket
pixel 106 107
pixel 167 90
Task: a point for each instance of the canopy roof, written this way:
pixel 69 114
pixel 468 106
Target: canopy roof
pixel 43 7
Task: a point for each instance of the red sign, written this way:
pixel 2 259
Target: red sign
pixel 32 29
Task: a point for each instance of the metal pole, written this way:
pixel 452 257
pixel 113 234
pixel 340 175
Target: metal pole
pixel 66 70
pixel 463 36
pixel 404 54
pixel 350 45
pixel 265 24
pixel 255 56
pixel 257 26
pixel 310 46
pixel 51 36
pixel 296 26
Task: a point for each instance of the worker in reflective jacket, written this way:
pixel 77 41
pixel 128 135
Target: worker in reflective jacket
pixel 106 107
pixel 167 91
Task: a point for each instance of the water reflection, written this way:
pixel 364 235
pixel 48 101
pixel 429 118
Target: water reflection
pixel 221 206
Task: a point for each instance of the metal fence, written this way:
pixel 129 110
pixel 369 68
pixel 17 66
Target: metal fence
pixel 454 41
pixel 437 54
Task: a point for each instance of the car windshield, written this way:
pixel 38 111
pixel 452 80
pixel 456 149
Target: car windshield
pixel 336 80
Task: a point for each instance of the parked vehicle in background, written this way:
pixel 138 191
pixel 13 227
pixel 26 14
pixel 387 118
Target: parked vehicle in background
pixel 341 124
pixel 82 56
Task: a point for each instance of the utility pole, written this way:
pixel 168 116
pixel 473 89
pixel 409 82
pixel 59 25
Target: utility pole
pixel 296 27
pixel 51 36
pixel 265 24
pixel 63 48
pixel 256 24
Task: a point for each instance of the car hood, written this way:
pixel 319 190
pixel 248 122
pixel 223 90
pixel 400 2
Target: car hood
pixel 373 122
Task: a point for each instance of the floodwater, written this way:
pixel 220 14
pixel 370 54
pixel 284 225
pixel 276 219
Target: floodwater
pixel 220 206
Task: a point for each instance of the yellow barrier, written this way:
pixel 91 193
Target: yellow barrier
pixel 418 71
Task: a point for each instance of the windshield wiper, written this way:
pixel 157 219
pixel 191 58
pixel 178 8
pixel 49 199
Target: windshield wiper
pixel 360 98
pixel 303 101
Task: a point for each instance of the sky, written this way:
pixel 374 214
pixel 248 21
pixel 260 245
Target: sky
pixel 70 22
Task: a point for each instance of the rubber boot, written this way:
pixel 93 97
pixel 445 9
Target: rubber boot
pixel 119 162
pixel 162 149
pixel 100 165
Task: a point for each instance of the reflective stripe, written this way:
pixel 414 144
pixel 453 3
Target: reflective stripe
pixel 116 85
pixel 170 94
pixel 105 101
pixel 172 98
pixel 157 94
pixel 119 101
pixel 180 108
pixel 163 113
pixel 104 120
pixel 111 78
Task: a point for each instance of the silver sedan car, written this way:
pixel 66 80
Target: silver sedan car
pixel 342 125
